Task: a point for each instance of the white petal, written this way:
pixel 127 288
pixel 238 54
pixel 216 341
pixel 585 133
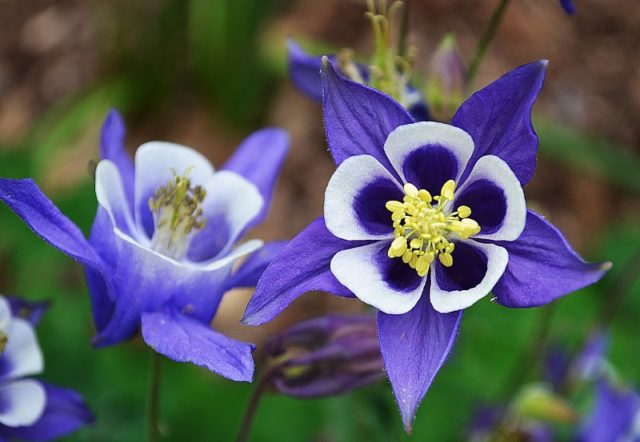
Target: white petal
pixel 22 403
pixel 448 301
pixel 230 204
pixel 495 170
pixel 22 355
pixel 406 139
pixel 341 215
pixel 156 163
pixel 111 196
pixel 359 270
pixel 5 314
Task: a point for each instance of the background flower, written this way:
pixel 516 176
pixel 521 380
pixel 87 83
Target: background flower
pixel 31 410
pixel 160 253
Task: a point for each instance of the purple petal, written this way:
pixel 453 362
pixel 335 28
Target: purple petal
pixel 612 418
pixel 45 220
pixel 254 266
pixel 112 148
pixel 414 347
pixel 591 363
pixel 302 266
pixel 357 118
pixel 304 70
pixel 498 118
pixel 146 280
pixel 32 311
pixel 259 159
pixel 183 339
pixel 568 6
pixel 64 413
pixel 542 267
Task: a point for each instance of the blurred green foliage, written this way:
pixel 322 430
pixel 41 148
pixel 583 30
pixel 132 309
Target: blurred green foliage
pixel 212 48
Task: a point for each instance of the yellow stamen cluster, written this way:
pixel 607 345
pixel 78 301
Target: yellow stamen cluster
pixel 176 213
pixel 422 229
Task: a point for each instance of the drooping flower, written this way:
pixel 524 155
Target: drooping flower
pixel 568 6
pixel 31 410
pixel 390 71
pixel 161 251
pixel 422 220
pixel 325 356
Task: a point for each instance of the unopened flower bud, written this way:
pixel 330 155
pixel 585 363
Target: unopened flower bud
pixel 445 87
pixel 326 356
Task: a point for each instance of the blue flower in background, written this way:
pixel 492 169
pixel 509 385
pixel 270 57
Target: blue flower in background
pixel 568 6
pixel 163 243
pixel 422 220
pixel 304 70
pixel 615 416
pixel 31 410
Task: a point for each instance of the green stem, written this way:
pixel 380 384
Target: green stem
pixel 621 288
pixel 404 27
pixel 250 412
pixel 532 355
pixel 486 38
pixel 154 397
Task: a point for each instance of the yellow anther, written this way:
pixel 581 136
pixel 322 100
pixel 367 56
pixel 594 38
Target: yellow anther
pixel 422 266
pixel 463 211
pixel 423 228
pixel 424 195
pixel 448 190
pixel 410 190
pixel 398 247
pixel 393 206
pixel 446 259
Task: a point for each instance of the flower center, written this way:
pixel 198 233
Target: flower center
pixel 422 228
pixel 176 214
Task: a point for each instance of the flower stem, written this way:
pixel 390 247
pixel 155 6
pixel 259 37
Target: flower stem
pixel 247 421
pixel 154 397
pixel 485 39
pixel 531 356
pixel 621 288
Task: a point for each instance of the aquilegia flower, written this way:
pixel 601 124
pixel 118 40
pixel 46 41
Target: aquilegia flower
pixel 615 416
pixel 325 356
pixel 161 250
pixel 31 409
pixel 422 220
pixel 390 69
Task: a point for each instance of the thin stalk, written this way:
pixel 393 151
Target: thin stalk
pixel 485 39
pixel 531 356
pixel 250 412
pixel 153 429
pixel 621 288
pixel 404 28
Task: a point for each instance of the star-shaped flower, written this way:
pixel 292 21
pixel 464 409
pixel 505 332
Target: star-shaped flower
pixel 422 220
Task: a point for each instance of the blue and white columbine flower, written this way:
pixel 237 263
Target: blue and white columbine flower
pixel 30 409
pixel 422 220
pixel 162 247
